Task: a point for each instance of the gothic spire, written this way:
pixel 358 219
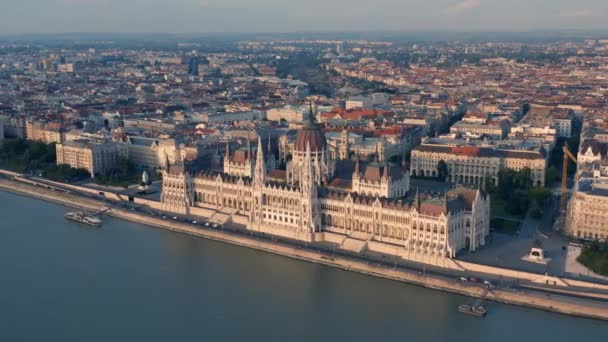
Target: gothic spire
pixel 385 173
pixel 227 150
pixel 310 112
pixel 260 167
pixel 357 167
pixel 249 155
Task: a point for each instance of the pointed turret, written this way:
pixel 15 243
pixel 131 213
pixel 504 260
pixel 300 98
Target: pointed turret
pixel 386 173
pixel 249 155
pixel 357 167
pixel 417 200
pixel 377 154
pixel 227 155
pixel 260 167
pixel 307 178
pixel 310 112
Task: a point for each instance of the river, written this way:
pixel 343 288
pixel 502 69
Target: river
pixel 61 281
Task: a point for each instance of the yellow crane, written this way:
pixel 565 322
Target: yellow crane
pixel 567 157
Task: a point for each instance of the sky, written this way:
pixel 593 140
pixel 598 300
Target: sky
pixel 204 16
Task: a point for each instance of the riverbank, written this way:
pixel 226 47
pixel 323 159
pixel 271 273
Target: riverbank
pixel 583 308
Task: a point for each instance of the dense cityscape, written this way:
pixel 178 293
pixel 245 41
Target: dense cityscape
pixel 470 157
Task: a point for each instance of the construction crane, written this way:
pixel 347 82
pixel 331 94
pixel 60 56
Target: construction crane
pixel 567 157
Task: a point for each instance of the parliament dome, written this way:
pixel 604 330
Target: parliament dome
pixel 311 134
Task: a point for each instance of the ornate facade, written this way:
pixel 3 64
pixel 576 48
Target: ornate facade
pixel 373 213
pixel 475 165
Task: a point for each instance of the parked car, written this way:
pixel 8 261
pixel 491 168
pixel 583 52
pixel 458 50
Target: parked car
pixel 463 279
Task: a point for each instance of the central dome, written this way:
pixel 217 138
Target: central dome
pixel 310 134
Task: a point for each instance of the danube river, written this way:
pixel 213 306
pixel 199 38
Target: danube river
pixel 60 281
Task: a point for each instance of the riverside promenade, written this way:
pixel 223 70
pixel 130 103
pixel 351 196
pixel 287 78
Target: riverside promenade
pixel 584 307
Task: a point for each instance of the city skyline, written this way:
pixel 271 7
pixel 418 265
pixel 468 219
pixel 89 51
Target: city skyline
pixel 206 16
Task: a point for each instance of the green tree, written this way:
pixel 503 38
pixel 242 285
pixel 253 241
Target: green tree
pixel 442 170
pixel 539 195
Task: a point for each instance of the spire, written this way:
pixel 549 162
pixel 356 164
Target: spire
pixel 385 173
pixel 260 168
pixel 249 144
pixel 357 167
pixel 227 150
pixel 445 203
pixel 306 178
pixel 377 154
pixel 310 112
pixel 417 199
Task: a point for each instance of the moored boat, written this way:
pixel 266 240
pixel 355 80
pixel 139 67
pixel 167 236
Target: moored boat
pixel 82 217
pixel 477 311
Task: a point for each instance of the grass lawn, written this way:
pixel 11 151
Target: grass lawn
pixel 504 226
pixel 595 257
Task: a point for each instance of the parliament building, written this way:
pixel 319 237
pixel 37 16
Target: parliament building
pixel 357 205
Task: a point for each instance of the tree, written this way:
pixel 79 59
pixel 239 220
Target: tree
pixel 552 175
pixel 525 108
pixel 539 195
pixel 523 178
pixel 442 170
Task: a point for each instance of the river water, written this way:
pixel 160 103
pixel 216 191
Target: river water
pixel 60 281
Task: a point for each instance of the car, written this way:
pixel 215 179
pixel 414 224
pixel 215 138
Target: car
pixel 463 279
pixel 487 283
pixel 215 225
pixel 472 279
pixel 164 217
pixel 194 222
pixel 207 224
pixel 175 218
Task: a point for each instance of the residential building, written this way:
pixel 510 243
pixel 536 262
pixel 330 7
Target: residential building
pixel 95 157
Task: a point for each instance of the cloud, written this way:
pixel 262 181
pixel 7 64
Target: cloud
pixel 463 7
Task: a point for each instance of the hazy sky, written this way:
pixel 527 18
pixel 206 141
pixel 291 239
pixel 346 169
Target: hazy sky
pixel 297 15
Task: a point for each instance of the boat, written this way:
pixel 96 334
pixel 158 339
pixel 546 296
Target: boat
pixel 476 310
pixel 82 217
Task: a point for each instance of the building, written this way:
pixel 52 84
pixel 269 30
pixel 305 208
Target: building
pixel 587 211
pixel 304 202
pixel 496 130
pixel 14 126
pixel 476 164
pixel 97 158
pixel 44 132
pixel 152 152
pixel 288 113
pixel 359 102
pixel 587 214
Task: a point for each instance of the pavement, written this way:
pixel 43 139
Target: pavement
pixel 508 250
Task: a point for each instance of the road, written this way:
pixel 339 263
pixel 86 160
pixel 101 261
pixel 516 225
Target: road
pixel 331 251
